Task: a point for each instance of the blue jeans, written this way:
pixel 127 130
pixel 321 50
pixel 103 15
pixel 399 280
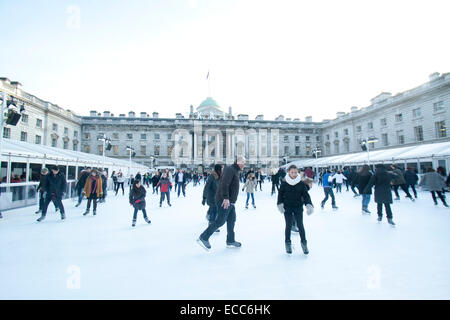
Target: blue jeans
pixel 180 187
pixel 248 197
pixel 365 200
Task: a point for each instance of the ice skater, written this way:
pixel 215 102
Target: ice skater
pixel 411 180
pixel 209 194
pixel 55 187
pixel 93 189
pixel 327 184
pixel 120 182
pixel 250 187
pixel 382 179
pixel 293 194
pixel 399 181
pixel 226 196
pixel 84 174
pixel 164 185
pixel 137 200
pixel 41 189
pixel 435 183
pixel 362 180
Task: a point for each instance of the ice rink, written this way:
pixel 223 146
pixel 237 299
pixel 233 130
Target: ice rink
pixel 352 256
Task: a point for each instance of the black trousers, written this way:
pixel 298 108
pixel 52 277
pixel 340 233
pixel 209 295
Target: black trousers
pixel 413 188
pixel 440 195
pixel 404 188
pixel 42 200
pixel 120 184
pixel 260 185
pixel 57 200
pixel 136 211
pixel 92 198
pixel 329 193
pixel 290 215
pixel 273 187
pixel 212 214
pixel 223 215
pixel 387 207
pixel 167 194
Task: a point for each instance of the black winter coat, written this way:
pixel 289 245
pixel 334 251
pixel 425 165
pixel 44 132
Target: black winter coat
pixel 411 177
pixel 293 196
pixel 210 189
pixel 55 184
pixel 155 180
pixel 137 197
pixel 362 182
pixel 82 181
pixel 228 184
pixel 42 182
pixel 382 181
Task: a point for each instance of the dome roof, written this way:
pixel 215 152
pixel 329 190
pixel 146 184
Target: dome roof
pixel 209 105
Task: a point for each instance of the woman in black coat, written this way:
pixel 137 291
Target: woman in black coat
pixel 382 180
pixel 137 200
pixel 411 180
pixel 209 193
pixel 293 194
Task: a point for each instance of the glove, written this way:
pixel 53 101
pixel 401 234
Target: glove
pixel 281 208
pixel 203 201
pixel 138 201
pixel 309 209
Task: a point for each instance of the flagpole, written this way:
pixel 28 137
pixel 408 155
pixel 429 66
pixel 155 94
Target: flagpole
pixel 209 85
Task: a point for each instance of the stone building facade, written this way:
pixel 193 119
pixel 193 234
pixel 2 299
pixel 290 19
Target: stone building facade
pixel 209 134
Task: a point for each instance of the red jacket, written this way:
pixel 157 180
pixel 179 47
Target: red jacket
pixel 164 184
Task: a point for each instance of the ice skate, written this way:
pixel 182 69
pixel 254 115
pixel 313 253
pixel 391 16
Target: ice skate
pixel 335 207
pixel 204 244
pixel 39 211
pixel 288 247
pixel 391 222
pixel 94 212
pixel 86 213
pixel 305 248
pixel 246 206
pixel 254 207
pixel 397 198
pixel 147 220
pixel 63 215
pixel 41 218
pixel 322 205
pixel 379 218
pixel 234 244
pixel 365 211
pixel 133 224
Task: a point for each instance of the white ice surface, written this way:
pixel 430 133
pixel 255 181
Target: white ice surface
pixel 351 256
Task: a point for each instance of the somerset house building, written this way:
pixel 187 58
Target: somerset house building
pixel 209 134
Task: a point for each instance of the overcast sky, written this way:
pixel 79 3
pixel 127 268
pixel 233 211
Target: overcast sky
pixel 295 58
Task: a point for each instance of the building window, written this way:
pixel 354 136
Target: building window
pixel 100 149
pixel 336 134
pixel 286 150
pixel 87 136
pixel 328 137
pixel 307 138
pixel 156 136
pixel 308 150
pixel 169 136
pixel 336 148
pixel 38 123
pixel 38 139
pixel 399 117
pixel 87 149
pixel 384 139
pixel 75 134
pixel 75 147
pixel 66 131
pixel 286 138
pixel 23 136
pixel 156 151
pixel 318 138
pixel 438 106
pixel 383 122
pixel 143 150
pixel 346 146
pixel 297 150
pixel 346 132
pixel 66 145
pixel 169 150
pixel 297 138
pixel 54 143
pixel 129 136
pixel 370 125
pixel 417 113
pixel 116 150
pixel 143 136
pixel 6 132
pixel 441 130
pixel 25 118
pixel 400 137
pixel 418 133
pixel 358 128
pixel 116 135
pixel 55 127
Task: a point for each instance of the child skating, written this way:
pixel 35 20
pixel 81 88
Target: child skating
pixel 137 200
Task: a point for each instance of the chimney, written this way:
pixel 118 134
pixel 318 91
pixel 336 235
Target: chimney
pixel 340 114
pixel 259 117
pixel 16 84
pixel 354 109
pixel 155 115
pixel 191 109
pixel 297 119
pixel 178 116
pixel 308 119
pixel 106 113
pixel 229 110
pixel 432 76
pixel 143 114
pixel 242 117
pixel 93 113
pixel 131 114
pixel 279 118
pixel 122 115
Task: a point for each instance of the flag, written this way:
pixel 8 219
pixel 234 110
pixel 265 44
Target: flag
pixel 207 76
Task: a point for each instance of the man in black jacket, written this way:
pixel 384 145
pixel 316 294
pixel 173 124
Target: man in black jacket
pixel 55 187
pixel 209 193
pixel 226 196
pixel 41 189
pixel 80 184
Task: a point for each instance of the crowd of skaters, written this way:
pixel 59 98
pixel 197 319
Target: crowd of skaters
pixel 221 187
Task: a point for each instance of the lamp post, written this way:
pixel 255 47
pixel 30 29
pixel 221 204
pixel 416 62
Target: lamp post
pixel 316 152
pixel 131 150
pixel 2 119
pixel 105 140
pixel 365 147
